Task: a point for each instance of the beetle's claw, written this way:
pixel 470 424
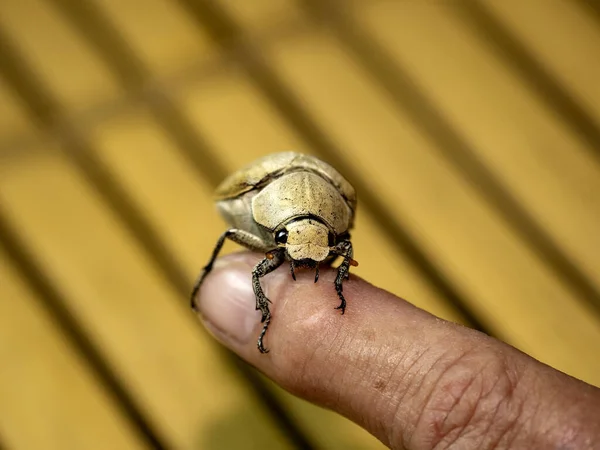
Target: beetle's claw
pixel 342 306
pixel 317 274
pixel 261 348
pixel 259 343
pixel 338 289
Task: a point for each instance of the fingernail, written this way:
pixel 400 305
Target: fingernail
pixel 227 303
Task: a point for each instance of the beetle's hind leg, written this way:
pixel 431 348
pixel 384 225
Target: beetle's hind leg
pixel 264 267
pixel 241 237
pixel 344 249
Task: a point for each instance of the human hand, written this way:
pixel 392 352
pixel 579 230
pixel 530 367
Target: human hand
pixel 413 380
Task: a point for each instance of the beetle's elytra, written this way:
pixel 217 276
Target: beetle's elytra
pixel 292 207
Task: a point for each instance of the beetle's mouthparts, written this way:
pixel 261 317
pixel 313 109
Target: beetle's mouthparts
pixel 308 263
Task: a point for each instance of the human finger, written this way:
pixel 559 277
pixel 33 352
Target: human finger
pixel 410 378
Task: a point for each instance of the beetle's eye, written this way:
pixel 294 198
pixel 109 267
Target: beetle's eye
pixel 331 239
pixel 281 237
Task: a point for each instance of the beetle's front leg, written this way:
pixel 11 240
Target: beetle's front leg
pixel 238 236
pixel 264 267
pixel 344 249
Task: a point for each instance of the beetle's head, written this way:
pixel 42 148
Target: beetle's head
pixel 307 241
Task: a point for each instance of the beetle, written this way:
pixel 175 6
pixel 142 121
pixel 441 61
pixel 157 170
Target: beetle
pixel 292 207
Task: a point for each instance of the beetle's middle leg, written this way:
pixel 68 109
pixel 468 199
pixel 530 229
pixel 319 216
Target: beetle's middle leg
pixel 264 267
pixel 241 237
pixel 343 249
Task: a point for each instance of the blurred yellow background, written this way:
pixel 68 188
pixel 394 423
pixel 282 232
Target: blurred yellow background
pixel 471 131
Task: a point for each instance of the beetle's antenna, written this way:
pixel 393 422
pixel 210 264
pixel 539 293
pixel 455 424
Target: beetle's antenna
pixel 292 269
pixel 317 273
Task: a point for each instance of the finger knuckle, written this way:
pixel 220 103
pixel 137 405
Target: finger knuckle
pixel 472 403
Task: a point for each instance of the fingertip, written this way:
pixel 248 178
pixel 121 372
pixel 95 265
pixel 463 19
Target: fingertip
pixel 225 302
pixel 305 315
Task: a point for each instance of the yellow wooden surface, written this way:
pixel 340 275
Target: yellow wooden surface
pixel 49 373
pixel 542 27
pixel 136 318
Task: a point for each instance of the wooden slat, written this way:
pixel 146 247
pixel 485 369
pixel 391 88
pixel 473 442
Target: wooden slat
pixel 176 201
pixel 564 37
pixel 260 15
pixel 163 36
pixel 57 53
pixel 17 135
pixel 12 123
pixel 145 332
pixel 506 283
pixel 49 397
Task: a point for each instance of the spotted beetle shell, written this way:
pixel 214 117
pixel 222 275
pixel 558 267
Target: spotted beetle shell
pixel 276 188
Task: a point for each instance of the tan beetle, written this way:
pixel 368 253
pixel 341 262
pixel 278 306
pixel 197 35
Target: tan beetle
pixel 292 207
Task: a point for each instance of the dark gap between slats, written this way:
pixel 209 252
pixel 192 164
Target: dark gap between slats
pixel 539 80
pixel 592 7
pixel 46 113
pixel 407 97
pixel 50 299
pixel 97 30
pixel 229 36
